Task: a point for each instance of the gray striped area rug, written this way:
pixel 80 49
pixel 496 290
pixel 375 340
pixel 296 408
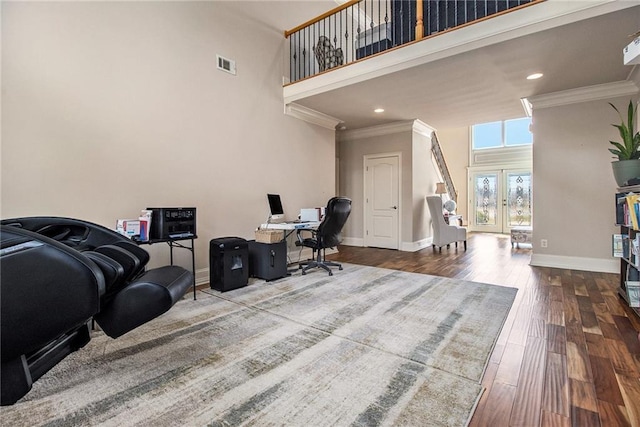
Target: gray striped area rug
pixel 364 347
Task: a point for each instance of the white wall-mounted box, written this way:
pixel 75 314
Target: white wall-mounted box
pixel 631 52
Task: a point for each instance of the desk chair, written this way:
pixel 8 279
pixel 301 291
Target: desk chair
pixel 443 233
pixel 327 235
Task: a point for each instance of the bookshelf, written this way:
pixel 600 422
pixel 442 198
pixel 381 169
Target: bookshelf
pixel 626 245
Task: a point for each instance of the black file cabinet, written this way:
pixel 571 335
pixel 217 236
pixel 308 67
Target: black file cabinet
pixel 267 261
pixel 228 263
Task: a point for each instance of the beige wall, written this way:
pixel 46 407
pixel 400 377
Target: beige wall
pixel 351 153
pixel 455 144
pixel 417 181
pixel 424 175
pixel 572 179
pixel 110 107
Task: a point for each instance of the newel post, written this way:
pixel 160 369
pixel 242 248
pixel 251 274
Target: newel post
pixel 419 23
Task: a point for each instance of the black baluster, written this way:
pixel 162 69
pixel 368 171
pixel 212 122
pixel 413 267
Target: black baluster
pixel 492 7
pixel 359 40
pixel 471 10
pixel 386 26
pixel 299 50
pixel 461 12
pixel 291 63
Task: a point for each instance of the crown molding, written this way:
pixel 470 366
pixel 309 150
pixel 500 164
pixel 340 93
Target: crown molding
pixel 387 129
pixel 422 128
pixel 584 94
pixel 634 75
pixel 311 116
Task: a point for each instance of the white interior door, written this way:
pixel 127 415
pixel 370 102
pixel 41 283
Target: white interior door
pixel 501 199
pixel 382 190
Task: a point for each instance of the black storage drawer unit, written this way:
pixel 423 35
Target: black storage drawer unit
pixel 268 261
pixel 228 263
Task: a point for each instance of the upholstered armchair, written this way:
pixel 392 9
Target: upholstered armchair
pixel 443 233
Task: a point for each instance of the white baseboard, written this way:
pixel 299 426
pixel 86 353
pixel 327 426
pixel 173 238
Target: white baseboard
pixel 538 260
pixel 416 246
pixel 353 241
pixel 600 265
pixel 404 246
pixel 202 276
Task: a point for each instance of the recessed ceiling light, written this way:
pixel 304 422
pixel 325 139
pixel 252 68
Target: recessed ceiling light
pixel 379 110
pixel 534 76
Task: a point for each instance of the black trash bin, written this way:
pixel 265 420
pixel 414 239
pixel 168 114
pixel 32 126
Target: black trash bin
pixel 228 263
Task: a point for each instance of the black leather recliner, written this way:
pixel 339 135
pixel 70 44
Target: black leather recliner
pixel 59 274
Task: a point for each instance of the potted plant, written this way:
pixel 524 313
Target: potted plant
pixel 626 151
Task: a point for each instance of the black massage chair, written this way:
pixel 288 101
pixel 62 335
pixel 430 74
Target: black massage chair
pixel 58 275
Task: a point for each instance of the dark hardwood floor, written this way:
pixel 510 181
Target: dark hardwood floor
pixel 568 354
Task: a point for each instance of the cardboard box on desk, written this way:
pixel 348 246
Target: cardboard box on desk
pixel 269 236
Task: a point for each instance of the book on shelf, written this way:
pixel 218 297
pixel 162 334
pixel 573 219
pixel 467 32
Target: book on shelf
pixel 633 209
pixel 625 247
pixel 633 293
pixel 621 208
pixel 617 248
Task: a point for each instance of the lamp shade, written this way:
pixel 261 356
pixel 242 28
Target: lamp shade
pixel 440 188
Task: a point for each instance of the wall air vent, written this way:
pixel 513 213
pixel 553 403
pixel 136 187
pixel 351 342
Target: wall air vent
pixel 227 65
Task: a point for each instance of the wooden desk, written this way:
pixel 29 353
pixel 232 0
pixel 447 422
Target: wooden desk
pixel 290 227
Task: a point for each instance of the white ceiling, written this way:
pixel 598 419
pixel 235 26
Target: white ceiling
pixel 486 84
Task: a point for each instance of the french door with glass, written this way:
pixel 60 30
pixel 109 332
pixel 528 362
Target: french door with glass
pixel 500 200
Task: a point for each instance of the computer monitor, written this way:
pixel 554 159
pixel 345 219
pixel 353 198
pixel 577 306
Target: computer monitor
pixel 275 206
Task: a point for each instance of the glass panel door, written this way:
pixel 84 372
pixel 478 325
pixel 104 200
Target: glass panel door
pixel 487 211
pixel 501 200
pixel 518 199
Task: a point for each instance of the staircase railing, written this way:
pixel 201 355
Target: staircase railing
pixel 442 166
pixel 361 28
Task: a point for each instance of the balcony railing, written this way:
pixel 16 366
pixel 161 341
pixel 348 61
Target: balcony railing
pixel 362 28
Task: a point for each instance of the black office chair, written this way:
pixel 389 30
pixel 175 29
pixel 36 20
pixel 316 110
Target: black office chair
pixel 327 235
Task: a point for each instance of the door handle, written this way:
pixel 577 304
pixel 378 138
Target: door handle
pixel 394 207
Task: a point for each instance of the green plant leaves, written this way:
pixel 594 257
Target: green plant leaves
pixel 629 148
